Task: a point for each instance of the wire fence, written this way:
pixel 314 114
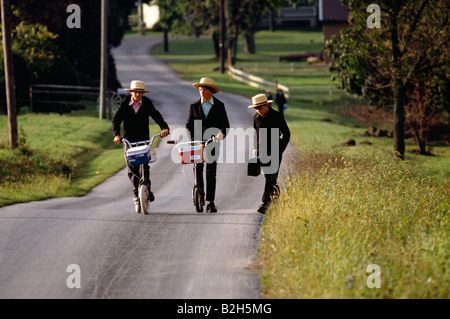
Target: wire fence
pixel 46 97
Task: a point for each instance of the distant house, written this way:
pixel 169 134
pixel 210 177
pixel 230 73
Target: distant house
pixel 150 14
pixel 288 16
pixel 301 16
pixel 333 15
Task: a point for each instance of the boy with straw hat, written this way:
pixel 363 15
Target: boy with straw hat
pixel 134 111
pixel 213 116
pixel 266 118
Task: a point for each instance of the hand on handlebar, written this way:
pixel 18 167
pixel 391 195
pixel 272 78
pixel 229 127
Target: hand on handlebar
pixel 164 133
pixel 220 136
pixel 117 140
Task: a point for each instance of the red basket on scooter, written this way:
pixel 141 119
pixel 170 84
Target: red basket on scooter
pixel 191 152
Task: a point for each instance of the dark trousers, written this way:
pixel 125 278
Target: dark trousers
pixel 211 171
pixel 281 109
pixel 271 188
pixel 134 174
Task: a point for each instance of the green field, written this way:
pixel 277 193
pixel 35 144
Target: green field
pixel 312 119
pixel 58 156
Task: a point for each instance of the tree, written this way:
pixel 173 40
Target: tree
pixel 198 15
pixel 242 16
pixel 201 17
pixel 9 74
pixel 37 59
pixel 253 12
pixel 81 45
pixel 427 113
pixel 233 15
pixel 168 14
pixel 385 66
pixel 44 59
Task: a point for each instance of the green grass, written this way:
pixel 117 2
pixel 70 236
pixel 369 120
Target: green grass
pixel 269 46
pixel 340 215
pixel 194 58
pixel 342 208
pixel 58 156
pixel 321 122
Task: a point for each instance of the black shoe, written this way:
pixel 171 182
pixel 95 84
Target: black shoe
pixel 263 208
pixel 211 208
pixel 151 197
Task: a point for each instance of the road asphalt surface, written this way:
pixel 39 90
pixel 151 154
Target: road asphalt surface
pixel 97 247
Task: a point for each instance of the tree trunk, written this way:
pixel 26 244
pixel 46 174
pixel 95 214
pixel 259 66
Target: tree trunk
pixel 272 14
pixel 250 43
pixel 222 52
pixel 166 40
pixel 416 118
pixel 419 137
pixel 422 145
pixel 9 74
pixel 235 45
pixel 215 39
pixel 399 119
pixel 399 92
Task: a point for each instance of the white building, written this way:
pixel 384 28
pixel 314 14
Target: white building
pixel 150 15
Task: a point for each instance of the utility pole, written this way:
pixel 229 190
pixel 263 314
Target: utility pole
pixel 9 74
pixel 222 36
pixel 104 60
pixel 140 17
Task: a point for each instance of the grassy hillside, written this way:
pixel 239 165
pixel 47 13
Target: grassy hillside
pixel 58 156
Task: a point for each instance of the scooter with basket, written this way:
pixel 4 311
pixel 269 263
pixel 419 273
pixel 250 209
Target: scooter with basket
pixel 194 152
pixel 139 154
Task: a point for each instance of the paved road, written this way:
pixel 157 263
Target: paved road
pixel 172 253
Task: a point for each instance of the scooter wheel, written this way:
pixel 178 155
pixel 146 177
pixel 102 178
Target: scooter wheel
pixel 198 203
pixel 144 199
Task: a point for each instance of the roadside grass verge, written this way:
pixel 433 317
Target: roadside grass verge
pixel 58 156
pixel 339 215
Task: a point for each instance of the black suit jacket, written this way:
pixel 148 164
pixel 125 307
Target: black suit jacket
pixel 217 119
pixel 135 126
pixel 272 120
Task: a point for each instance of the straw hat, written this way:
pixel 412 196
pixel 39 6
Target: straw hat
pixel 137 86
pixel 259 100
pixel 207 82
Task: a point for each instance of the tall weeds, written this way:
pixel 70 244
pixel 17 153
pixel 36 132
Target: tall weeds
pixel 337 216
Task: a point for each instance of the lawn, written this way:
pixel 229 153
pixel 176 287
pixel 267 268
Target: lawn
pixel 58 156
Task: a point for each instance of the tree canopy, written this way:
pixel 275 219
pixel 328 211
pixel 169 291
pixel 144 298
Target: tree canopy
pixel 81 45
